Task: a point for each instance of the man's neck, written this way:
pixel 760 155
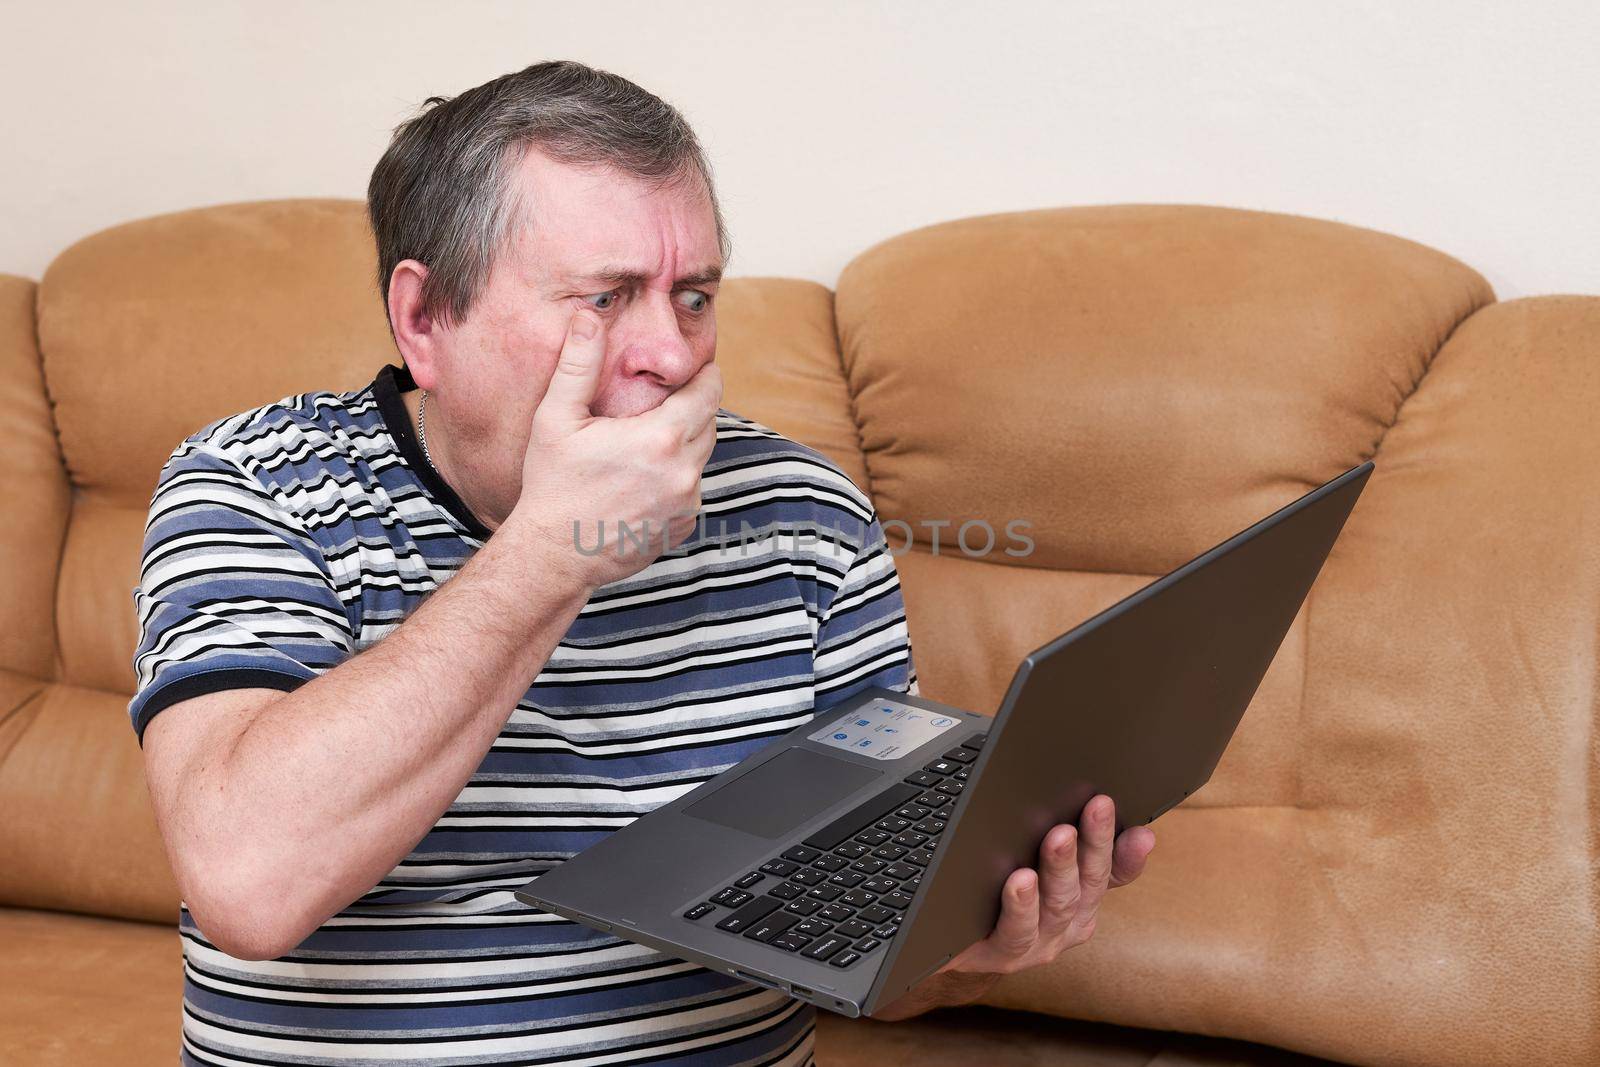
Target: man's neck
pixel 439 451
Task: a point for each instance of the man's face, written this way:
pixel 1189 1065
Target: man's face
pixel 580 226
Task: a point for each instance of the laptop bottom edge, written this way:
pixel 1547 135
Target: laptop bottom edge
pixel 835 1001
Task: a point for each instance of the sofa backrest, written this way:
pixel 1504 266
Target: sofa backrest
pixel 1410 803
pixel 136 337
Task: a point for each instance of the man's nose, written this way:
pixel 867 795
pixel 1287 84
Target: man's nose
pixel 656 348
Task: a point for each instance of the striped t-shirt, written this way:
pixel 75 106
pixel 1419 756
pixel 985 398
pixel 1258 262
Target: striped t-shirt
pixel 285 539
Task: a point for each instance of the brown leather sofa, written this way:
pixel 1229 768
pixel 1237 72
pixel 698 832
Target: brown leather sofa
pixel 1396 861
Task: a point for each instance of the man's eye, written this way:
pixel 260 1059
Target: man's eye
pixel 704 300
pixel 612 296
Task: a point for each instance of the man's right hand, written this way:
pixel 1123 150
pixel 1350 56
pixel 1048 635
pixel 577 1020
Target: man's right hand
pixel 643 471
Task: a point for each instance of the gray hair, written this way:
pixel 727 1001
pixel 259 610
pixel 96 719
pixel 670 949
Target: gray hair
pixel 438 195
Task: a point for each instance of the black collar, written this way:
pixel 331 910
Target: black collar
pixel 386 389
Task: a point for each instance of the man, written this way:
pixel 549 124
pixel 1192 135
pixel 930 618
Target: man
pixel 385 677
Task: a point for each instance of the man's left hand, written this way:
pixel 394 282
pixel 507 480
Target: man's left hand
pixel 1042 913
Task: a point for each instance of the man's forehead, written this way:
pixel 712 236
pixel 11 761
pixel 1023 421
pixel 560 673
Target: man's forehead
pixel 578 225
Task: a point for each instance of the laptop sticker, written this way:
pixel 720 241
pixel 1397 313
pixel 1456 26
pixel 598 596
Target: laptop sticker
pixel 884 731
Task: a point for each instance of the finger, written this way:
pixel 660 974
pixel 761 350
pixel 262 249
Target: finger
pixel 707 428
pixel 693 406
pixel 577 375
pixel 701 449
pixel 1017 930
pixel 698 448
pixel 704 437
pixel 1133 848
pixel 1060 887
pixel 714 376
pixel 1097 826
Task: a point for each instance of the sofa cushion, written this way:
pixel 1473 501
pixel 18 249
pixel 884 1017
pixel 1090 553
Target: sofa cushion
pixel 79 832
pixel 990 1037
pixel 1206 362
pixel 152 329
pixel 33 477
pixel 77 989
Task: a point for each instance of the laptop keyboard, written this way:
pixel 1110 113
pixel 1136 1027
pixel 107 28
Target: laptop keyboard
pixel 842 891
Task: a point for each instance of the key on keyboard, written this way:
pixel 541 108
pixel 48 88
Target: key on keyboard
pixel 752 912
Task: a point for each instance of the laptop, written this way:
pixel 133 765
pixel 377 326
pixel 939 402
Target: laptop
pixel 857 854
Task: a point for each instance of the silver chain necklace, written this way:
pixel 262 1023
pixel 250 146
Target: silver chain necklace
pixel 422 426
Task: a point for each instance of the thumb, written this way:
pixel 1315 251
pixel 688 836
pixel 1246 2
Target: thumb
pixel 577 375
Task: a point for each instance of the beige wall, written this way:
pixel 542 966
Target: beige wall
pixel 1469 127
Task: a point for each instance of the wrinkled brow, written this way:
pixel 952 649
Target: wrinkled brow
pixel 624 276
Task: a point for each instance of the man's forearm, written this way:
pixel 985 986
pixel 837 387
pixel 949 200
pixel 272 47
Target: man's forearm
pixel 331 785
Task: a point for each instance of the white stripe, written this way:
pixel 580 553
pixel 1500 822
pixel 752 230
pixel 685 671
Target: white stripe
pixel 645 672
pixel 285 972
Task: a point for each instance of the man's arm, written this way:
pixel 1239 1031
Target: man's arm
pixel 278 815
pixel 279 810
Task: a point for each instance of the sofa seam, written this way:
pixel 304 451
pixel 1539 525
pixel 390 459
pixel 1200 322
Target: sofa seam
pixel 850 397
pixel 1416 386
pixel 1300 710
pixel 58 659
pixel 13 713
pixel 47 682
pixel 1377 448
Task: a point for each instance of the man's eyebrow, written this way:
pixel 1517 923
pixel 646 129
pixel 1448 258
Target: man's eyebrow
pixel 624 276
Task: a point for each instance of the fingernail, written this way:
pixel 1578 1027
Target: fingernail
pixel 583 326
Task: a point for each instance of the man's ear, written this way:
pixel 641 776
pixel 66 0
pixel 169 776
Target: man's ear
pixel 416 333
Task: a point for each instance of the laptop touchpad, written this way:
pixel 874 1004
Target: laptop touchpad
pixel 782 793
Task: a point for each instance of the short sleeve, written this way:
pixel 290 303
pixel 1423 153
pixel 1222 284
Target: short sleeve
pixel 233 590
pixel 863 639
